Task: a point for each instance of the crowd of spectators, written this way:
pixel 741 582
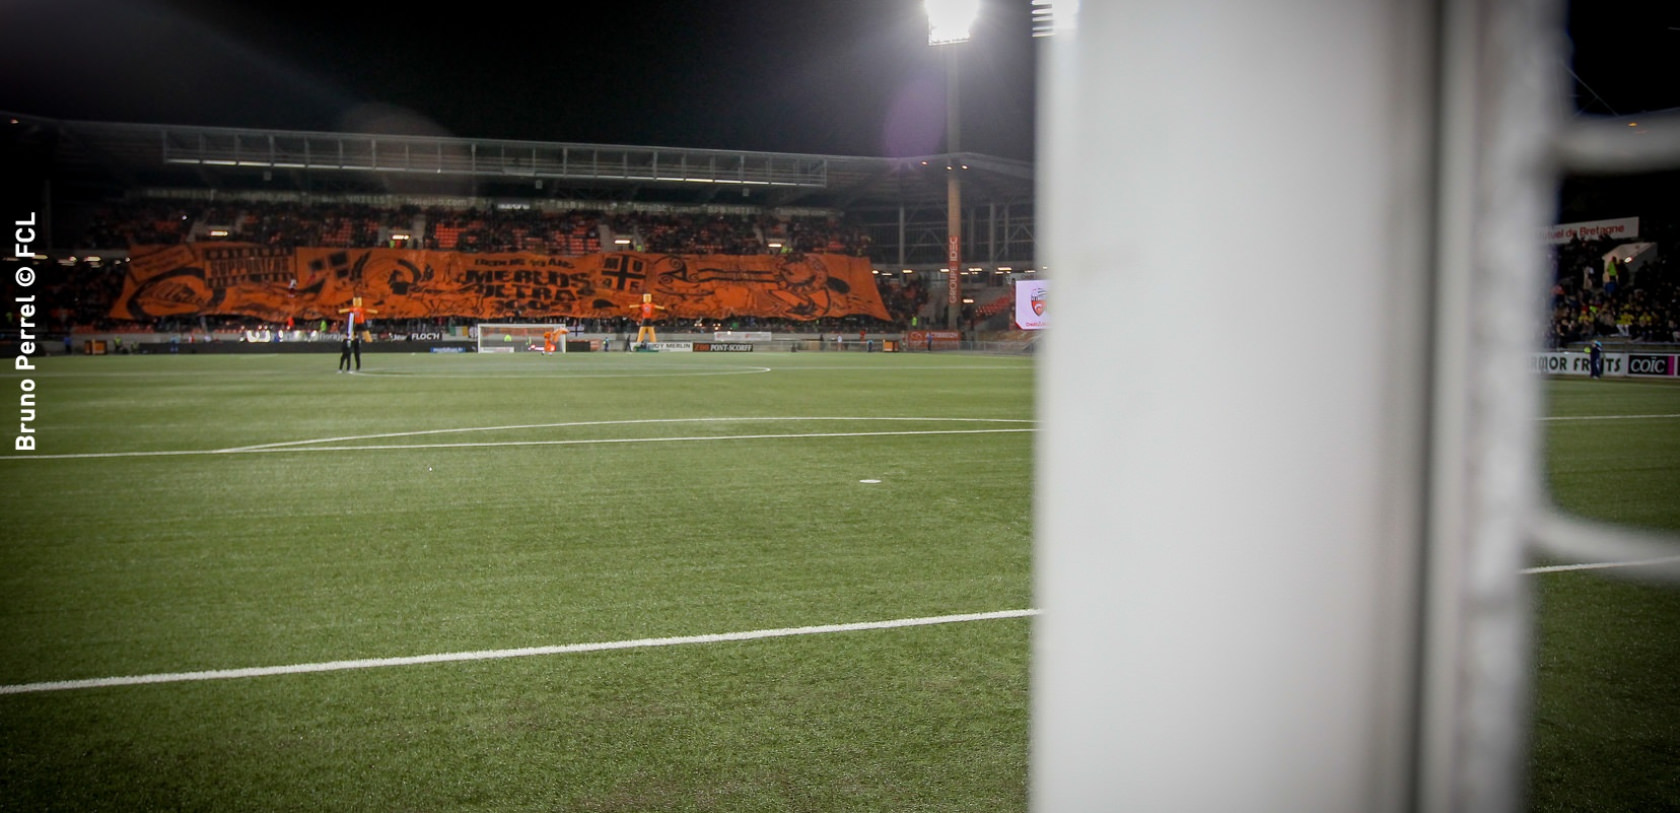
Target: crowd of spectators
pixel 482 231
pixel 69 294
pixel 498 229
pixel 1588 301
pixel 338 226
pixel 1592 299
pixel 140 223
pixel 903 298
pixel 153 222
pixel 707 234
pixel 84 292
pixel 89 289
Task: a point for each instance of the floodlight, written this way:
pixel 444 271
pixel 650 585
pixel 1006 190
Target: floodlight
pixel 950 21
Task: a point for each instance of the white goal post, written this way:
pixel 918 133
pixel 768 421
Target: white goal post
pixel 520 338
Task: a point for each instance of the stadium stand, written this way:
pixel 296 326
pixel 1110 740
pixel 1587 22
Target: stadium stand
pixel 115 187
pixel 1635 304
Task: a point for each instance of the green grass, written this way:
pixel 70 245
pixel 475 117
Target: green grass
pixel 1607 708
pixel 139 564
pixel 587 502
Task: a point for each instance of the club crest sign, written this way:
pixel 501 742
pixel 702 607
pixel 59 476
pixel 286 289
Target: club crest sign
pixel 1029 304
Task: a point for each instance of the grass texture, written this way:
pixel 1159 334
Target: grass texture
pixel 191 513
pixel 1606 733
pixel 510 502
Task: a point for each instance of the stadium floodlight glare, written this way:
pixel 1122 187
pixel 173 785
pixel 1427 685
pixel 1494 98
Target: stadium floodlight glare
pixel 950 21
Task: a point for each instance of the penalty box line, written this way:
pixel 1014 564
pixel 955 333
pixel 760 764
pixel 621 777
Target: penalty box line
pixel 498 654
pixel 314 444
pixel 603 646
pixel 387 447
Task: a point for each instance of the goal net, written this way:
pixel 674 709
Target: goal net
pixel 524 338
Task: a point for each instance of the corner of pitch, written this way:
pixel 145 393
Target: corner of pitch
pixel 24 441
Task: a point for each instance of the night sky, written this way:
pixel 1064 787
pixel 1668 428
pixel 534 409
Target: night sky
pixel 852 77
pixel 849 77
pixel 1626 56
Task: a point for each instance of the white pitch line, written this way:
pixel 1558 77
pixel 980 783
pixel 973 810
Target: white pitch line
pixel 496 654
pixel 515 443
pixel 568 375
pixel 1600 565
pixel 489 444
pixel 631 422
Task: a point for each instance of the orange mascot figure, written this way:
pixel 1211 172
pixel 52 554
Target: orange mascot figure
pixel 358 315
pixel 352 342
pixel 644 330
pixel 552 338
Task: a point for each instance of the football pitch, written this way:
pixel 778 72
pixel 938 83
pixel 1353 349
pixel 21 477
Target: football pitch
pixel 612 582
pixel 1606 727
pixel 228 512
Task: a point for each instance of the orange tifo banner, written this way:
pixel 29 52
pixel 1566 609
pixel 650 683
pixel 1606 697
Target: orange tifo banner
pixel 274 284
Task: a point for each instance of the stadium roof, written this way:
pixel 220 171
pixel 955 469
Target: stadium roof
pixel 110 156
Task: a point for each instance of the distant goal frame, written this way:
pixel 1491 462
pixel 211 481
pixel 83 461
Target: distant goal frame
pixel 522 337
